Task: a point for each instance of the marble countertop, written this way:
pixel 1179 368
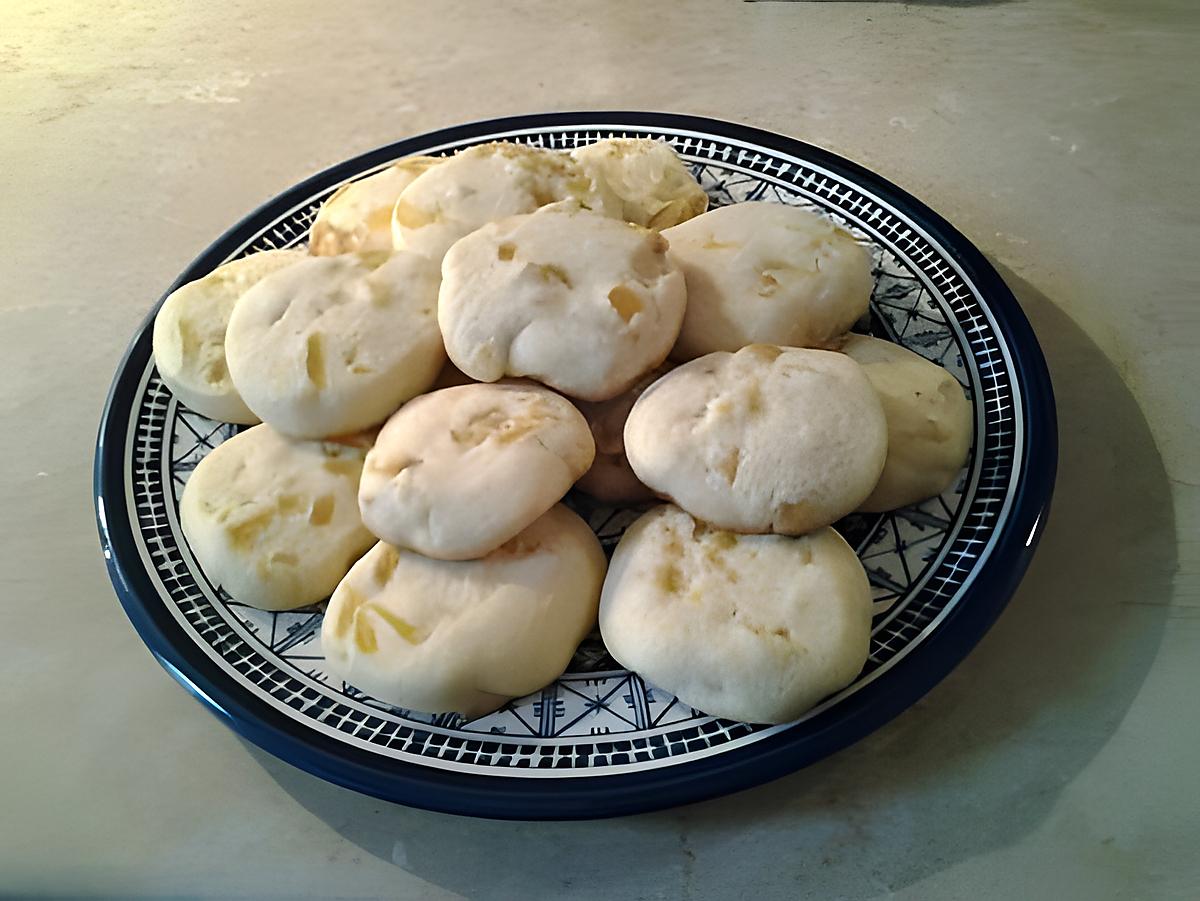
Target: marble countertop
pixel 1059 760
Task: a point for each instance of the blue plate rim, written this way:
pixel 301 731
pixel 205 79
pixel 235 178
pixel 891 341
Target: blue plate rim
pixel 619 794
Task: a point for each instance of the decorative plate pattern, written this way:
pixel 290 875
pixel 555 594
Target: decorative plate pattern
pixel 598 724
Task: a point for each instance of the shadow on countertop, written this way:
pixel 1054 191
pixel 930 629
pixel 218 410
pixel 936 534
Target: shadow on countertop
pixel 974 766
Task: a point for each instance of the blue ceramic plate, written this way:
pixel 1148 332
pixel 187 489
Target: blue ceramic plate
pixel 601 741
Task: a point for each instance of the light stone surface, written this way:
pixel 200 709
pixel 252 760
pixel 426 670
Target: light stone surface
pixel 1059 760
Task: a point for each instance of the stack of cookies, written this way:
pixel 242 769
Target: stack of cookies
pixel 469 338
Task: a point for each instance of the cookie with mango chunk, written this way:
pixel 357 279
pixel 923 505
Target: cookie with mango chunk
pixel 466 636
pixel 456 473
pixel 756 628
pixel 488 182
pixel 333 345
pixel 358 216
pixel 767 273
pixel 189 335
pixel 273 520
pixel 655 187
pixel 768 439
pixel 579 302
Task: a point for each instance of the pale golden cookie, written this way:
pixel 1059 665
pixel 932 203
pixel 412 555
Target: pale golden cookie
pixel 767 273
pixel 756 628
pixel 189 335
pixel 929 422
pixel 336 344
pixel 456 473
pixel 584 304
pixel 436 635
pixel 358 216
pixel 769 439
pixel 274 520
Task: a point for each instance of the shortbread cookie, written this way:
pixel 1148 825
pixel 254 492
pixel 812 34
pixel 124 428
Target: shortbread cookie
pixel 456 473
pixel 767 273
pixel 357 217
pixel 579 302
pixel 275 521
pixel 189 335
pixel 489 182
pixel 928 420
pixel 466 636
pixel 336 344
pixel 757 628
pixel 769 439
pixel 655 187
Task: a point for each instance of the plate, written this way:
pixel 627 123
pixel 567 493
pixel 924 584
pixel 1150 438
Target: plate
pixel 601 741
